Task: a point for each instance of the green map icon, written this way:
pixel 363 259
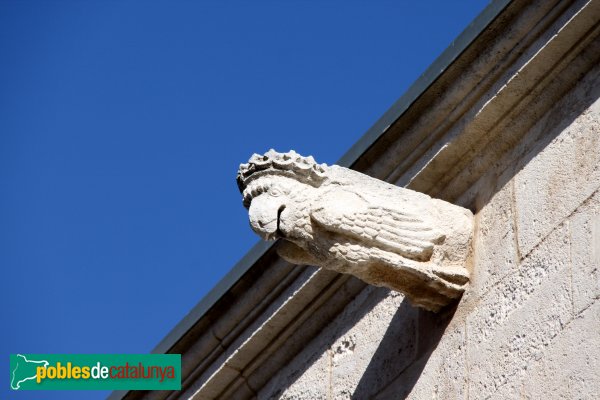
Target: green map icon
pixel 23 369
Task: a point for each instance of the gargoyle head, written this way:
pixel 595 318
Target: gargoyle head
pixel 274 187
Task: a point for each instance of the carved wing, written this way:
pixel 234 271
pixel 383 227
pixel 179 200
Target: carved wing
pixel 402 232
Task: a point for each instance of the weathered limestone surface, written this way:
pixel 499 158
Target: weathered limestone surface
pixel 347 360
pixel 568 367
pixel 565 173
pixel 438 374
pixel 585 257
pixel 519 317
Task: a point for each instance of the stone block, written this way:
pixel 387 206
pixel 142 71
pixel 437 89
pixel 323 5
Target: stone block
pixel 494 252
pixel 558 179
pixel 568 368
pixel 374 351
pixel 519 317
pixel 439 374
pixel 585 256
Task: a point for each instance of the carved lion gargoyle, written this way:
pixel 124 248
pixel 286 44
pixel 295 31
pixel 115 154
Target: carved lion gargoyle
pixel 342 220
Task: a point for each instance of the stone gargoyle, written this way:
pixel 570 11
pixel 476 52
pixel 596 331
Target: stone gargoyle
pixel 342 220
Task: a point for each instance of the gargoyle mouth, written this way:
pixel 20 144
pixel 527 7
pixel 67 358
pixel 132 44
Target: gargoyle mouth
pixel 279 232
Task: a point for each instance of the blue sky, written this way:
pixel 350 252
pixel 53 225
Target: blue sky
pixel 122 125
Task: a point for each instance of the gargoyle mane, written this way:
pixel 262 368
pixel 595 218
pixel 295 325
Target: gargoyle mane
pixel 290 164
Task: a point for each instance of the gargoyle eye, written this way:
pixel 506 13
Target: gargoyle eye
pixel 275 192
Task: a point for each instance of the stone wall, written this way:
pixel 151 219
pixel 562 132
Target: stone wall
pixel 529 324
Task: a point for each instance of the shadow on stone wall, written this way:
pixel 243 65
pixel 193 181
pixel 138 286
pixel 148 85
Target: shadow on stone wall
pixel 389 366
pixel 524 141
pixel 320 344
